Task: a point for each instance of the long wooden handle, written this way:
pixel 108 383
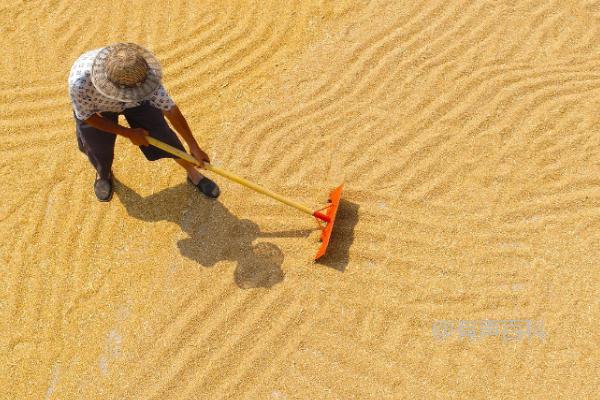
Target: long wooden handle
pixel 237 179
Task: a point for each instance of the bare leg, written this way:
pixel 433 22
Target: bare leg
pixel 192 172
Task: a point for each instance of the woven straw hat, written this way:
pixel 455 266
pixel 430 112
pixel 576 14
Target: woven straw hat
pixel 126 72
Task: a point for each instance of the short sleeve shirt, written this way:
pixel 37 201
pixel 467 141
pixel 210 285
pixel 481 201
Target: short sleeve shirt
pixel 87 100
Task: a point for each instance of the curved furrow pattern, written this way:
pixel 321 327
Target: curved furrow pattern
pixel 436 113
pixel 182 330
pixel 361 57
pixel 60 20
pixel 172 47
pixel 265 369
pixel 537 18
pixel 368 157
pixel 43 243
pixel 478 23
pixel 568 100
pixel 51 105
pixel 26 268
pixel 250 56
pixel 442 182
pixel 548 92
pixel 39 89
pixel 63 260
pixel 447 111
pixel 320 364
pixel 488 74
pixel 240 41
pixel 213 328
pixel 467 136
pixel 380 67
pixel 276 317
pixel 52 127
pixel 543 22
pixel 202 46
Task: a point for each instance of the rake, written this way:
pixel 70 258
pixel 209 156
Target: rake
pixel 324 216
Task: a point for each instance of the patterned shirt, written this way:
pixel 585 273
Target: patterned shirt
pixel 87 101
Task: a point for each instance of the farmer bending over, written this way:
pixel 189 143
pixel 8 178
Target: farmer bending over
pixel 125 78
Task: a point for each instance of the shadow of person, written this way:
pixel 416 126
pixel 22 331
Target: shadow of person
pixel 214 234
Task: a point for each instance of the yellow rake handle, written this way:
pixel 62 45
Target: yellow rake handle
pixel 185 156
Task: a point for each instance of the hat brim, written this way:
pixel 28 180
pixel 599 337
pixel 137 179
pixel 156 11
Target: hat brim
pixel 107 88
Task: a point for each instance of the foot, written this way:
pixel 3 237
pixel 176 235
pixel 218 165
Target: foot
pixel 206 186
pixel 103 188
pixel 194 176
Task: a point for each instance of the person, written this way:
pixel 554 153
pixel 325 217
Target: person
pixel 125 79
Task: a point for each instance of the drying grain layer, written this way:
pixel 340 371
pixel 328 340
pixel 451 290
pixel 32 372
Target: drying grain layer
pixel 468 136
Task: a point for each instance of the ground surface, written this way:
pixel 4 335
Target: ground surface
pixel 468 136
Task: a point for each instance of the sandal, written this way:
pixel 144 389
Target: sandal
pixel 103 188
pixel 207 187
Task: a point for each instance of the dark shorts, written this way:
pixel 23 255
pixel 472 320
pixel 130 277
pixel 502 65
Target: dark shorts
pixel 99 146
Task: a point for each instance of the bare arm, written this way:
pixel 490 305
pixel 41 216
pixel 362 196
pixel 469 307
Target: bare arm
pixel 136 135
pixel 180 124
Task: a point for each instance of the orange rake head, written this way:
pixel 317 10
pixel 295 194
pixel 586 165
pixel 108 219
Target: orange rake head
pixel 328 218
